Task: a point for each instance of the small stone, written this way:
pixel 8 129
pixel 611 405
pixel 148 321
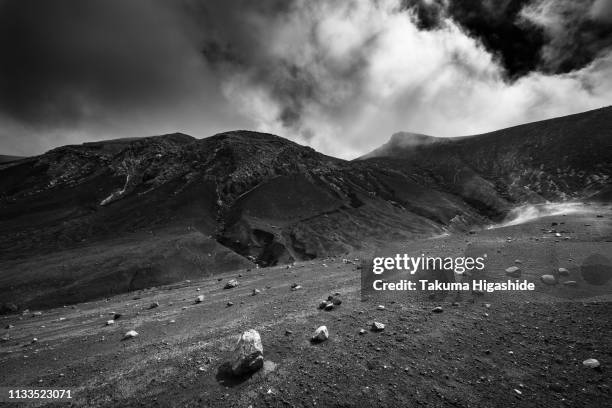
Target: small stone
pixel 199 299
pixel 110 322
pixel 548 279
pixel 380 307
pixel 322 304
pixel 362 331
pixel 255 292
pixel 591 363
pixel 518 261
pixel 230 304
pixel 116 316
pixel 513 271
pixel 297 287
pixel 248 353
pixel 9 326
pixel 36 314
pixel 232 283
pixel 130 334
pixel 455 304
pixel 336 301
pixel 154 305
pixel 377 326
pixel 321 334
pixel 570 283
pixel 563 272
pixel 437 309
pixel 329 306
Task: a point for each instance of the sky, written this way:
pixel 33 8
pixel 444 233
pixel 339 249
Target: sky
pixel 339 75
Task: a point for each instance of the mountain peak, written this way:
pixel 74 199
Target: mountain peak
pixel 404 141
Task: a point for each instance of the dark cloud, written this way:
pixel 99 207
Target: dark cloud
pixel 323 72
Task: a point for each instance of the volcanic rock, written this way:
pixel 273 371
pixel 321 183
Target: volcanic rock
pixel 248 354
pixel 321 334
pixel 513 271
pixel 232 283
pixel 376 326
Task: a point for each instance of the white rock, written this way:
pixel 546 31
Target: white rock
pixel 513 271
pixel 248 353
pixel 376 326
pixel 563 272
pixel 232 283
pixel 380 307
pixel 109 322
pixel 591 363
pixel 130 334
pixel 321 334
pixel 548 279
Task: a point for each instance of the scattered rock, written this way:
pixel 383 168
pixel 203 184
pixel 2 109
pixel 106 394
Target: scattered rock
pixel 232 283
pixel 513 271
pixel 438 309
pixel 130 335
pixel 199 299
pixel 321 334
pixel 591 363
pixel 377 327
pixel 563 272
pixel 548 279
pixel 248 354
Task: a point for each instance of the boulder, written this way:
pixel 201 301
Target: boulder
pixel 232 283
pixel 377 327
pixel 591 363
pixel 248 354
pixel 321 334
pixel 548 279
pixel 130 335
pixel 513 271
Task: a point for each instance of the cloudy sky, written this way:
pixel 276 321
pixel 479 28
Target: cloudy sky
pixel 338 75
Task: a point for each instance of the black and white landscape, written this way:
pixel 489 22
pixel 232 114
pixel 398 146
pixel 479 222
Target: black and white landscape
pixel 143 233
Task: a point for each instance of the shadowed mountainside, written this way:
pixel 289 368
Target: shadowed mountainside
pixel 99 218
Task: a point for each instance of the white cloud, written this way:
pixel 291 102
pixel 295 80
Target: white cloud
pixel 373 73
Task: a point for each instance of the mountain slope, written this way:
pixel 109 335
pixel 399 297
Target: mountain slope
pixel 557 159
pixel 90 220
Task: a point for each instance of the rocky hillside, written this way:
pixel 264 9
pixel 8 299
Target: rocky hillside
pixel 557 159
pixel 100 218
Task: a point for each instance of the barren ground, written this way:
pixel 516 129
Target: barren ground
pixel 525 349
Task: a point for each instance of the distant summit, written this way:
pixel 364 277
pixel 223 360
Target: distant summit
pixel 402 141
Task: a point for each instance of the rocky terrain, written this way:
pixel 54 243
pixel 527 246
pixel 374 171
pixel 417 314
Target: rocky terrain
pixel 92 220
pixel 437 349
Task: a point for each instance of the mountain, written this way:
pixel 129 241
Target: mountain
pixel 558 159
pixel 91 220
